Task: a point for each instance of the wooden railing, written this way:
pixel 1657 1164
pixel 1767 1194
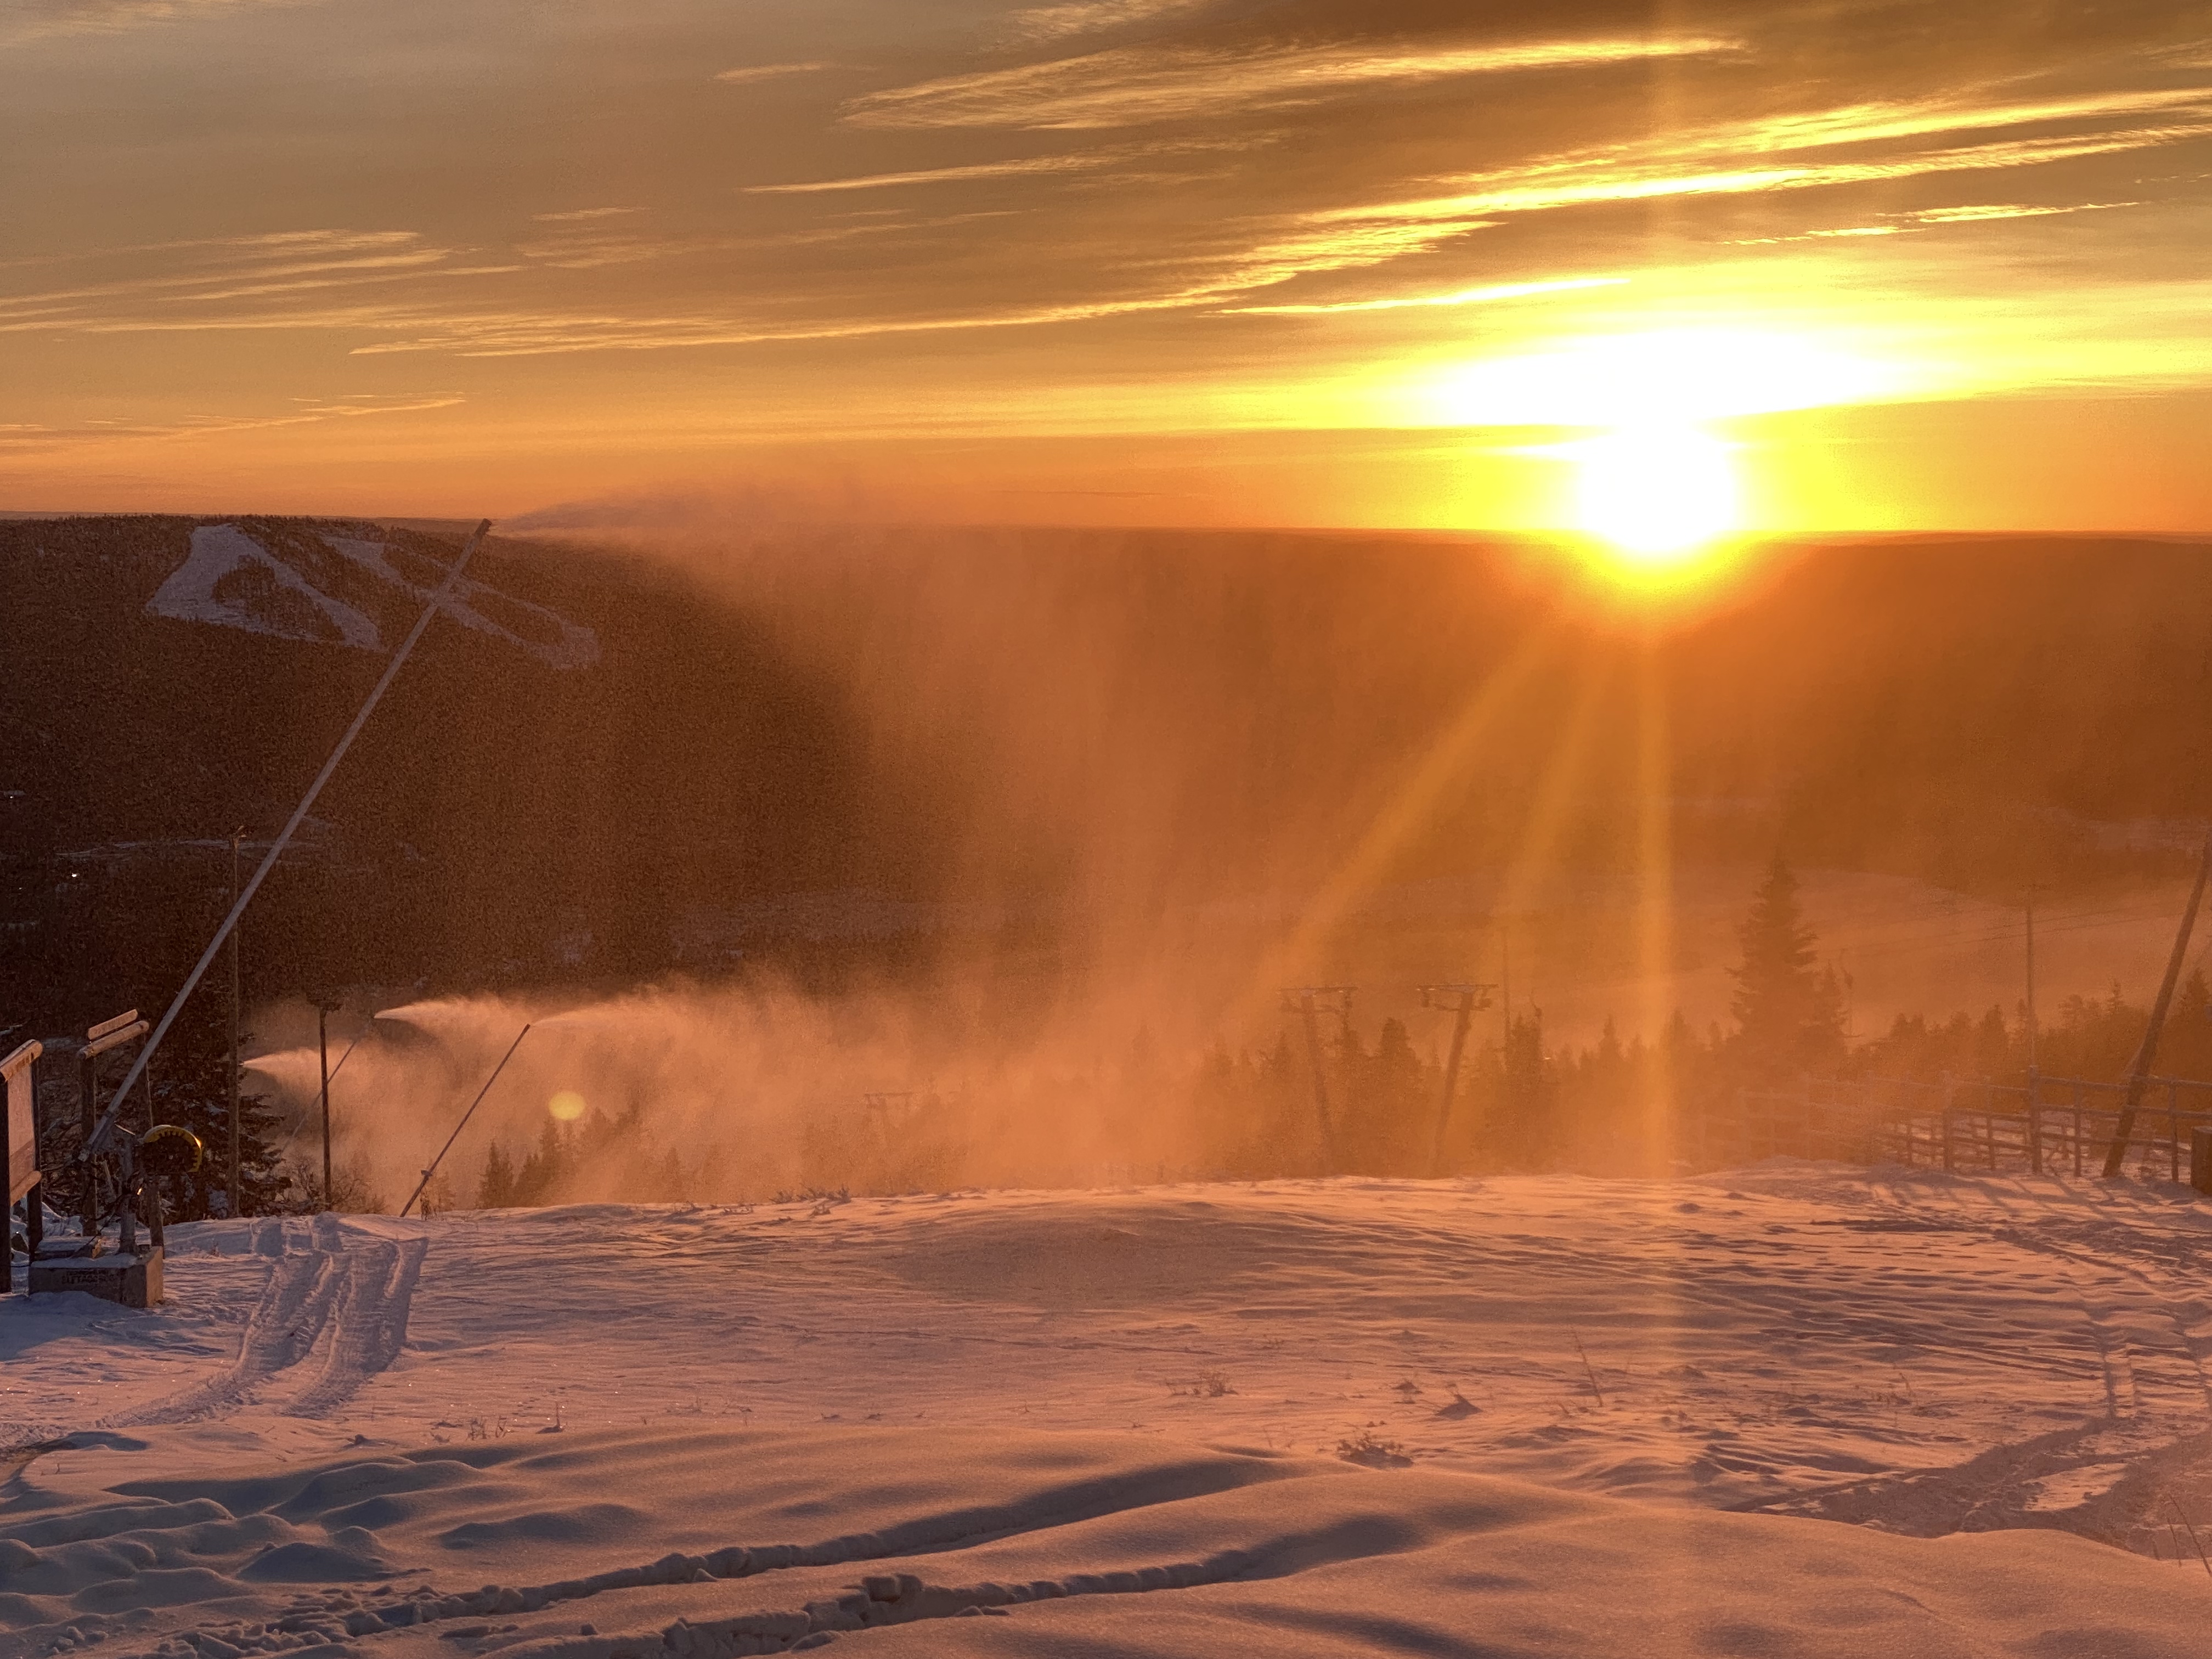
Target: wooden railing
pixel 2048 1126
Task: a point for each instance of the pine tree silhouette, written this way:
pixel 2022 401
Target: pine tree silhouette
pixel 1789 1011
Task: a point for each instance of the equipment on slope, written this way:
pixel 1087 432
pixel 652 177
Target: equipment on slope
pixel 19 1155
pixel 170 1148
pixel 463 1123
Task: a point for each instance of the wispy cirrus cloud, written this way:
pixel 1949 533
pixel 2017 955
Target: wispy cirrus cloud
pixel 31 436
pixel 1039 23
pixel 1100 159
pixel 1899 224
pixel 1890 121
pixel 746 75
pixel 225 270
pixel 1622 176
pixel 1013 169
pixel 1973 215
pixel 1138 85
pixel 1490 294
pixel 579 215
pixel 32 20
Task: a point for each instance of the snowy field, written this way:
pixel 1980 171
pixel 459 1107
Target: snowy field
pixel 1532 1416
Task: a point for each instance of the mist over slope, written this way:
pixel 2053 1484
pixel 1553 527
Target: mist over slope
pixel 837 750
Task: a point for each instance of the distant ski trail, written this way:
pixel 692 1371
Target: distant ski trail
pixel 346 1298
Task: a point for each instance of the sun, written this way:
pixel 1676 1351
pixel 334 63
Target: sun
pixel 1659 496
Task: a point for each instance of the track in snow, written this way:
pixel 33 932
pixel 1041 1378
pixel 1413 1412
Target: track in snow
pixel 333 1296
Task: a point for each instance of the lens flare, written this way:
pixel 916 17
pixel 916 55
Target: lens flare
pixel 567 1106
pixel 1659 495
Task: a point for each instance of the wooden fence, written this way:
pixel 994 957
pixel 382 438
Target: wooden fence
pixel 2048 1126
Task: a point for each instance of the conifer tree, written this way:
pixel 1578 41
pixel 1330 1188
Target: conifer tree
pixel 1522 1131
pixel 495 1189
pixel 189 1086
pixel 1789 1011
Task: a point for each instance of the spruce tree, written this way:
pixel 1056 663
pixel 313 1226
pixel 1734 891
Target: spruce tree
pixel 189 1074
pixel 496 1190
pixel 1789 1010
pixel 1522 1131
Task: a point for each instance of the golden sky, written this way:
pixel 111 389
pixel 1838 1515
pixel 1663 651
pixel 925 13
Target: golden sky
pixel 1916 265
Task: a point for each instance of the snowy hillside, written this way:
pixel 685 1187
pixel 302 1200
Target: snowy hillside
pixel 234 580
pixel 1540 1415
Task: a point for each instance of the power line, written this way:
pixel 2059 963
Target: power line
pixel 2012 933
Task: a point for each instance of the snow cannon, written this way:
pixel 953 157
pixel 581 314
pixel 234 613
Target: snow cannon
pixel 170 1148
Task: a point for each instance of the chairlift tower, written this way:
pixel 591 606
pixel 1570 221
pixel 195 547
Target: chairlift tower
pixel 1462 1003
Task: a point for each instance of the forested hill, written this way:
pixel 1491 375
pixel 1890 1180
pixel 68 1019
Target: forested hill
pixel 575 759
pixel 602 766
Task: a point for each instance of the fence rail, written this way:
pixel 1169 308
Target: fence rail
pixel 2048 1126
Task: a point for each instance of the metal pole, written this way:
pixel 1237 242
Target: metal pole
pixel 2139 1068
pixel 2035 1121
pixel 323 1057
pixel 233 1198
pixel 87 1203
pixel 1320 1083
pixel 1505 986
pixel 1467 1000
pixel 299 813
pixel 2031 983
pixel 1304 1007
pixel 463 1123
pixel 1466 1012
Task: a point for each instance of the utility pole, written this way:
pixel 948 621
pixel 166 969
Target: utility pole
pixel 2116 1156
pixel 230 1077
pixel 1301 1001
pixel 2033 1031
pixel 323 1057
pixel 1466 1002
pixel 87 1204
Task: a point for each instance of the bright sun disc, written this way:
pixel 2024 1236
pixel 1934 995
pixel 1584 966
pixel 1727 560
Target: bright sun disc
pixel 1659 494
pixel 567 1106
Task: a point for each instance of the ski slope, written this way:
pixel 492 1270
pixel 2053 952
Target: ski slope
pixel 1540 1415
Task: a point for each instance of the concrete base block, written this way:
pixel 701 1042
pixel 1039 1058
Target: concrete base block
pixel 135 1281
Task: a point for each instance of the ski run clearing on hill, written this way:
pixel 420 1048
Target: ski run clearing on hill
pixel 231 580
pixel 1798 1410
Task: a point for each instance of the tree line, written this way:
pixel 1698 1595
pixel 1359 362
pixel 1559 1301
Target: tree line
pixel 1522 1102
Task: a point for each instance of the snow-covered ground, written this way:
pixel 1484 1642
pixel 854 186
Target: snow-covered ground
pixel 1540 1415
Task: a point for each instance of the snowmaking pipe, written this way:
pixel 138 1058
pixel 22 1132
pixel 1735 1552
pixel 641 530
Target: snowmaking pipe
pixel 97 1140
pixel 301 1122
pixel 463 1123
pixel 2139 1068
